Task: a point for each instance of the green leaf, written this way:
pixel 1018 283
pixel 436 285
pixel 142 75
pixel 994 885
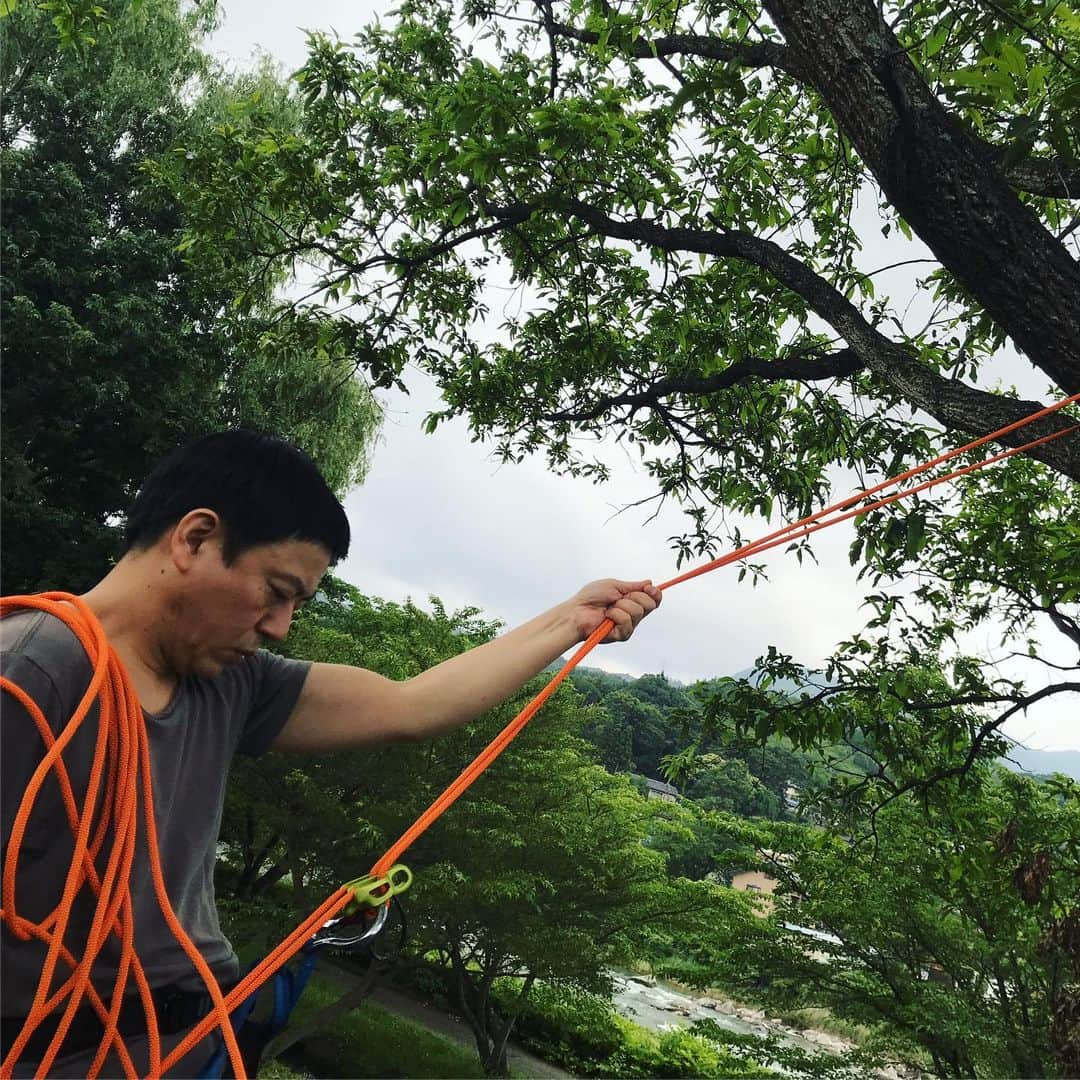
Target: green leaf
pixel 1012 60
pixel 932 45
pixel 689 91
pixel 916 532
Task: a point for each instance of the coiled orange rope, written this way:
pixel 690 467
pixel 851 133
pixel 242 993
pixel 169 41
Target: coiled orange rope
pixel 122 758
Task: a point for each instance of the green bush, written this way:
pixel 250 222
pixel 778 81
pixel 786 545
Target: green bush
pixel 582 1033
pixel 677 1053
pixel 566 1025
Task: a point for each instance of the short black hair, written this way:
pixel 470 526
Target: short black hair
pixel 263 488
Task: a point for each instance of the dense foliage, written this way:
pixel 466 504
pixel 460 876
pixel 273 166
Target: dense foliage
pixel 118 343
pixel 582 1033
pixel 641 725
pixel 677 188
pixel 760 251
pixel 955 923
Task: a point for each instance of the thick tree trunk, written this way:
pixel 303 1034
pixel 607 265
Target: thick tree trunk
pixel 940 177
pixel 474 1002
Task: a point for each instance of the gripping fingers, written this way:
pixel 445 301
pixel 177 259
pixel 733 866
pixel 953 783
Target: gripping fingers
pixel 627 613
pixel 624 625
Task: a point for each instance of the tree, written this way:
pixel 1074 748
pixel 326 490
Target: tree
pixel 957 927
pixel 613 738
pixel 698 844
pixel 678 189
pixel 551 879
pixel 903 705
pixel 643 718
pixel 595 683
pixel 119 343
pixel 650 730
pixel 720 784
pixel 683 196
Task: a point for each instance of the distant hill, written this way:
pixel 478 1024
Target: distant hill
pixel 1019 759
pixel 1044 762
pixel 622 676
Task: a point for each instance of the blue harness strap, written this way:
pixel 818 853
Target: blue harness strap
pixel 288 986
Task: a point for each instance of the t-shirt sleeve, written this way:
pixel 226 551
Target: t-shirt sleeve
pixel 277 685
pixel 41 656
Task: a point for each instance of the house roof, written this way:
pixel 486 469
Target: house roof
pixel 659 785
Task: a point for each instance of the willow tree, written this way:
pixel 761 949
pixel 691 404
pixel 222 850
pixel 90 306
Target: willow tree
pixel 119 344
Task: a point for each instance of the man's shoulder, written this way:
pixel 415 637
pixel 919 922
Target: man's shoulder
pixel 44 641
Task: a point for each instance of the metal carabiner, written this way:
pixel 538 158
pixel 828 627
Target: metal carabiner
pixel 335 935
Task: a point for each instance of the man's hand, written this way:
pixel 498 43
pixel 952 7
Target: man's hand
pixel 625 603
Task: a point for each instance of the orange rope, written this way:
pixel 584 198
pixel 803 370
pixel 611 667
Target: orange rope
pixel 122 758
pixel 121 768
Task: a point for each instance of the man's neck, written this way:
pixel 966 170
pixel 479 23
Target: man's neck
pixel 128 604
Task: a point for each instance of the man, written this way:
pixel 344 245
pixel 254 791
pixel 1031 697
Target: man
pixel 226 540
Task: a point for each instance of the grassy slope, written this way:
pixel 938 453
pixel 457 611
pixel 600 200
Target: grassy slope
pixel 370 1042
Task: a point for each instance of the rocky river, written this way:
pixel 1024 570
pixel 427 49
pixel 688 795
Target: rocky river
pixel 657 1005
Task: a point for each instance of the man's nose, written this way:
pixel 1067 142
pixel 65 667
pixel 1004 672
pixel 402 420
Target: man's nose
pixel 275 624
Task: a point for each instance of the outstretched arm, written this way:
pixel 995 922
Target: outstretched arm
pixel 343 706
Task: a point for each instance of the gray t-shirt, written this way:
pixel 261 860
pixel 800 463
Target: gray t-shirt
pixel 192 743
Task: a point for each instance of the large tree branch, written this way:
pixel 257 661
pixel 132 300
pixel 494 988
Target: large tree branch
pixel 804 367
pixel 953 403
pixel 940 176
pixel 984 733
pixel 949 184
pixel 750 54
pixel 1049 177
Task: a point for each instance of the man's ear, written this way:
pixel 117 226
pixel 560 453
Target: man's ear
pixel 192 533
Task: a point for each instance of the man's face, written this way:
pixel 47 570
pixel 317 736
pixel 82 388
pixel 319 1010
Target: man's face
pixel 223 613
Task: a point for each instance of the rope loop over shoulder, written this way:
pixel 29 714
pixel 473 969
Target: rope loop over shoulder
pixel 106 829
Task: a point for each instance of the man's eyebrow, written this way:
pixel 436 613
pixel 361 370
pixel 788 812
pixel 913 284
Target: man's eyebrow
pixel 298 586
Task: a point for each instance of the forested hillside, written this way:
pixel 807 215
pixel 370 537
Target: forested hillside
pixel 641 726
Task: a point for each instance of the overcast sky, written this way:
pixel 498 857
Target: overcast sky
pixel 438 516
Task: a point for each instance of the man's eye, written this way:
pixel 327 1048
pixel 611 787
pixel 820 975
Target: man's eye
pixel 279 594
